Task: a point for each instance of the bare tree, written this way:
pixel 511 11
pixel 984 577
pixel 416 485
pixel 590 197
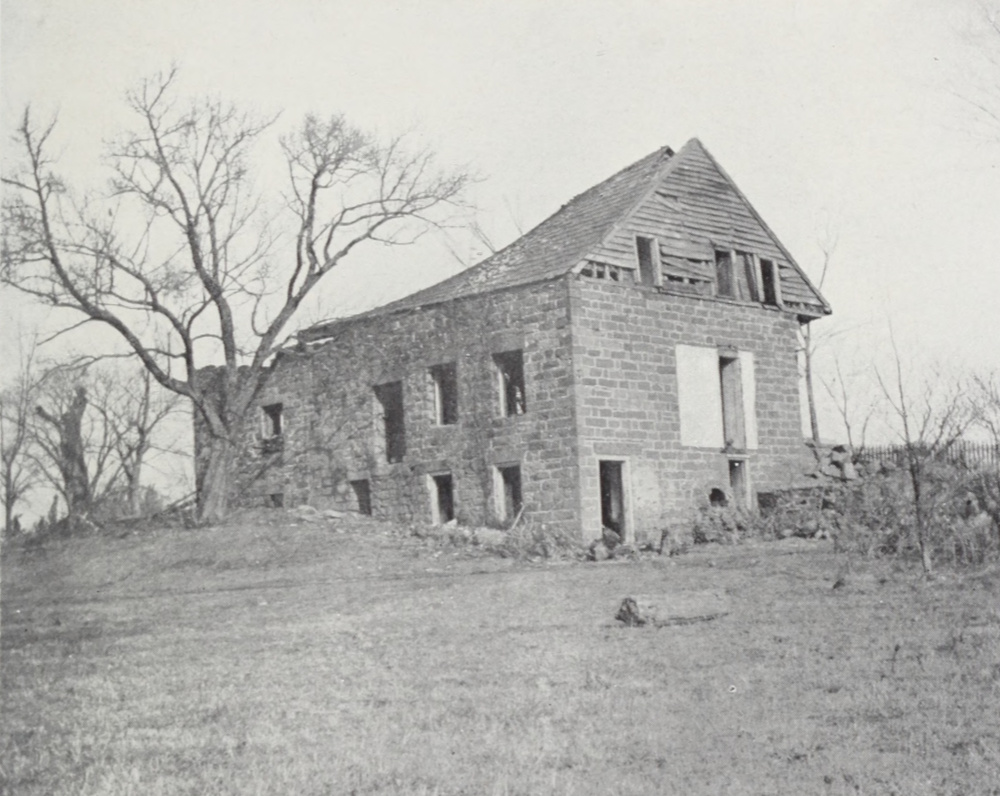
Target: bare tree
pixel 851 404
pixel 131 410
pixel 62 451
pixel 18 470
pixel 808 342
pixel 932 418
pixel 183 262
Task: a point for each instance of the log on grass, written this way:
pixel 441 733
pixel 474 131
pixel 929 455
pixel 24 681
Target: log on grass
pixel 679 608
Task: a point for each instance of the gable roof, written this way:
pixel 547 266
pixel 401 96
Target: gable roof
pixel 582 228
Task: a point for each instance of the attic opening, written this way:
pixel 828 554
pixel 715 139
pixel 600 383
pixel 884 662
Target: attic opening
pixel 724 281
pixel 769 282
pixel 648 254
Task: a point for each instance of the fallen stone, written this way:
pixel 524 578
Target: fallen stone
pixel 490 537
pixel 659 610
pixel 333 514
pixel 305 511
pixel 598 551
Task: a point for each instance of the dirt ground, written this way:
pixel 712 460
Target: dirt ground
pixel 279 656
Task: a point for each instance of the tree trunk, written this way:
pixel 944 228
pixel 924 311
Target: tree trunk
pixel 810 392
pixel 921 521
pixel 216 480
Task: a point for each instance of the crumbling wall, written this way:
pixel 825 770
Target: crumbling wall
pixel 331 431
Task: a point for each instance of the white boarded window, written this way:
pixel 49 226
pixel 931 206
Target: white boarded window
pixel 702 390
pixel 699 396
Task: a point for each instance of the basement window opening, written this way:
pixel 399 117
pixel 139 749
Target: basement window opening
pixel 363 494
pixel 445 379
pixel 510 377
pixel 390 399
pixel 509 501
pixel 276 500
pixel 442 498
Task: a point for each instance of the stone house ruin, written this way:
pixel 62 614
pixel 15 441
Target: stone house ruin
pixel 631 358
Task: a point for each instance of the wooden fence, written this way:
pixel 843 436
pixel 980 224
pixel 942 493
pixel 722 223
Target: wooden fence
pixel 963 453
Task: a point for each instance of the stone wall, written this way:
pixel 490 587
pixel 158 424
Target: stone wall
pixel 624 342
pixel 331 419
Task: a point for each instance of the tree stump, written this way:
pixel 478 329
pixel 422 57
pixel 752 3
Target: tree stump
pixel 659 610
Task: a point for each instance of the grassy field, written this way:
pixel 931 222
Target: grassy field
pixel 274 656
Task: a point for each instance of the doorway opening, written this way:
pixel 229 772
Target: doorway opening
pixel 738 481
pixel 442 498
pixel 613 497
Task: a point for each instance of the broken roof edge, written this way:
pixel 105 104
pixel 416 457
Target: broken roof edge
pixel 824 304
pixel 318 333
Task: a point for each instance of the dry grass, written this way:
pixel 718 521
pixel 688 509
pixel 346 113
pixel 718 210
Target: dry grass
pixel 268 658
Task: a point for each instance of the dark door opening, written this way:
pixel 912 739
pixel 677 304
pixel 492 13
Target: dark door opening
pixel 613 497
pixel 511 478
pixel 738 481
pixel 444 498
pixel 363 492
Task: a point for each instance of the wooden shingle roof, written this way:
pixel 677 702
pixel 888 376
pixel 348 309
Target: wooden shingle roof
pixel 703 207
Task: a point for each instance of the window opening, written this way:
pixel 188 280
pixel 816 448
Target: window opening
pixel 748 282
pixel 717 498
pixel 510 373
pixel 443 495
pixel 271 421
pixel 649 265
pixel 738 481
pixel 731 383
pixel 769 281
pixel 390 398
pixel 363 494
pixel 724 274
pixel 612 497
pixel 510 502
pixel 445 378
pixel 276 500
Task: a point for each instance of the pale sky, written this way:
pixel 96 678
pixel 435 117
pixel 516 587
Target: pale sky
pixel 840 118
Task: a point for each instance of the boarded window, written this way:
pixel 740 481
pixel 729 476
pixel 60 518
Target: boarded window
pixel 442 498
pixel 724 282
pixel 510 381
pixel 508 499
pixel 390 401
pixel 717 398
pixel 647 252
pixel 271 421
pixel 445 379
pixel 769 282
pixel 363 494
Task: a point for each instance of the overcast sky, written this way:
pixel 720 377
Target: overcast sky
pixel 837 119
